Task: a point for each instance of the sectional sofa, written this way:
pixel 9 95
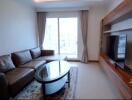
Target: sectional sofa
pixel 17 69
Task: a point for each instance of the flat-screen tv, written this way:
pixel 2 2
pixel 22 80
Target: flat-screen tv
pixel 117 48
pixel 128 58
pixel 120 50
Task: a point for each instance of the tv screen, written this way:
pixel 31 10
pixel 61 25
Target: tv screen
pixel 128 60
pixel 121 48
pixel 117 47
pixel 112 46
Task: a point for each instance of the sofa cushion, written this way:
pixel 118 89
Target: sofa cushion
pixel 18 78
pixel 21 57
pixel 6 63
pixel 35 52
pixel 33 64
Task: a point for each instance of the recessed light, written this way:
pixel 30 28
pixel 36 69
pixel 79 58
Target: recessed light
pixel 45 0
pixel 62 0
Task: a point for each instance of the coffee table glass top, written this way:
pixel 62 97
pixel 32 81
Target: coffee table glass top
pixel 52 71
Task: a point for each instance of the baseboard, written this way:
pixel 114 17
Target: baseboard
pixel 73 60
pixel 93 60
pixel 77 60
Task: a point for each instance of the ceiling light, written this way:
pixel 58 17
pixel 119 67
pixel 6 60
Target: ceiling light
pixel 45 0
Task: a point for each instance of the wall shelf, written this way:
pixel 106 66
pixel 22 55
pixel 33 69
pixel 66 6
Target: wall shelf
pixel 121 10
pixel 121 78
pixel 113 31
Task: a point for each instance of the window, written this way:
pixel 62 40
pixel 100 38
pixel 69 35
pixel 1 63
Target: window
pixel 51 35
pixel 61 35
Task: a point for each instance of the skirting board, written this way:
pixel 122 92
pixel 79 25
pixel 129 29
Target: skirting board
pixel 93 60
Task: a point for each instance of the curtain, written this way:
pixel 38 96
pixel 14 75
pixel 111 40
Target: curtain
pixel 41 23
pixel 84 29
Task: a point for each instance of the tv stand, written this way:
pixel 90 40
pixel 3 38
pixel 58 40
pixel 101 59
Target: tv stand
pixel 120 64
pixel 121 78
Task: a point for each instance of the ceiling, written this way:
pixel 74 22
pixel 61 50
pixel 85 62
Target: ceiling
pixel 48 5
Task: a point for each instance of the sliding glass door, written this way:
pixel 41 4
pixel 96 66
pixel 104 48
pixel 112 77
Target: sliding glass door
pixel 51 35
pixel 61 35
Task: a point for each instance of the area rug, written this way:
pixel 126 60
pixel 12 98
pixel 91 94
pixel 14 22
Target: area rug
pixel 34 91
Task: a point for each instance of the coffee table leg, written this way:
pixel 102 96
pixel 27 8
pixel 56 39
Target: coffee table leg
pixel 69 79
pixel 43 88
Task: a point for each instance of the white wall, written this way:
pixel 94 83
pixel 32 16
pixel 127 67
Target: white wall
pixel 17 27
pixel 95 16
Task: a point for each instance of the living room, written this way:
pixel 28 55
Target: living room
pixel 38 34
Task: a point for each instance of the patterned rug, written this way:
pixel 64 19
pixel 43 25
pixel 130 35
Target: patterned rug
pixel 34 91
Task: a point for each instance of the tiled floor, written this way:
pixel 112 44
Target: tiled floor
pixel 93 83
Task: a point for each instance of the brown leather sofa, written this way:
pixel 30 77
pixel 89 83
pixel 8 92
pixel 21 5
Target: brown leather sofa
pixel 12 79
pixel 17 69
pixel 23 59
pixel 47 55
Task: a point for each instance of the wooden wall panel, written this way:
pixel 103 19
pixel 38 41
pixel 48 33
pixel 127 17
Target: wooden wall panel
pixel 124 8
pixel 117 78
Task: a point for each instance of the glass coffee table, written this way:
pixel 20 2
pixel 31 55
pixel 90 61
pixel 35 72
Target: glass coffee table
pixel 53 76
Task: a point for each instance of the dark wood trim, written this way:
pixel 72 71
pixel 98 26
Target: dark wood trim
pixel 94 61
pixel 73 60
pixel 77 60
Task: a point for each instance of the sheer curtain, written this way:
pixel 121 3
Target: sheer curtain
pixel 41 23
pixel 84 29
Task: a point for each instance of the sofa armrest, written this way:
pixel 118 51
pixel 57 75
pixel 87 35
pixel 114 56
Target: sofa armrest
pixel 47 52
pixel 4 95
